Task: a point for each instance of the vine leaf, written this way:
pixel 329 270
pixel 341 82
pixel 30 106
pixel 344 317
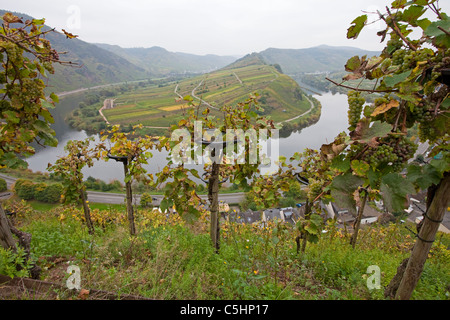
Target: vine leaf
pixel 423 176
pixel 395 188
pixel 330 151
pixel 356 27
pixel 385 107
pixel 392 80
pixel 364 133
pixel 360 168
pixel 342 189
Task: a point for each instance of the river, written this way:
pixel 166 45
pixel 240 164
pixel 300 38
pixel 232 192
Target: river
pixel 333 120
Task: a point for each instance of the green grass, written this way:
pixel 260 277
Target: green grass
pixel 174 260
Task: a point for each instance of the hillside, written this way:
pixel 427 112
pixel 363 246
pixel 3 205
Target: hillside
pixel 96 65
pixel 160 61
pixel 316 59
pixel 159 106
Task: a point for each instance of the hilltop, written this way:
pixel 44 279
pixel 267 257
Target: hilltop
pixel 100 64
pixel 316 59
pixel 96 66
pixel 160 61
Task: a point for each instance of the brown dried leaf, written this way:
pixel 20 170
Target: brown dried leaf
pixel 84 294
pixel 68 34
pixel 385 107
pixel 10 18
pixel 329 151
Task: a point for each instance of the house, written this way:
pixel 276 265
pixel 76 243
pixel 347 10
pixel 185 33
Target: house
pixel 272 214
pixel 248 216
pixel 288 215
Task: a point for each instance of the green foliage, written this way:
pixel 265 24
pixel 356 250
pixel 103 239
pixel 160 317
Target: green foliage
pixel 146 200
pixel 25 190
pixel 135 150
pixel 69 167
pixel 14 264
pixel 43 192
pixel 181 190
pixel 3 185
pixel 27 56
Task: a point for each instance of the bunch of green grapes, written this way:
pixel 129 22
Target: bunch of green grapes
pixel 314 188
pixel 408 59
pixel 395 43
pixel 440 63
pixel 356 103
pixel 423 112
pixel 382 154
pixel 398 56
pixel 393 151
pixel 427 132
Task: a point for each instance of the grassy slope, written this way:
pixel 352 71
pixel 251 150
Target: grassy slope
pixel 171 260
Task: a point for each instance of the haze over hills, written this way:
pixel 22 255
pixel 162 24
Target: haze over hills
pixel 316 59
pixel 160 61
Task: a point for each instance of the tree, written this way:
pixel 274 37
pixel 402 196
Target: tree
pixel 69 168
pixel 26 56
pixel 227 145
pixel 133 153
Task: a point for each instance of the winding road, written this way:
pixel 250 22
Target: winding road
pixel 301 115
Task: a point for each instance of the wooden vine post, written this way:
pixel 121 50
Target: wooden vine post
pixel 358 219
pixel 6 238
pixel 425 238
pixel 129 192
pixel 308 207
pixel 213 192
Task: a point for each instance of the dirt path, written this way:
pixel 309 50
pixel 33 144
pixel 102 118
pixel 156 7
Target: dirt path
pixel 200 99
pixel 240 81
pixel 106 103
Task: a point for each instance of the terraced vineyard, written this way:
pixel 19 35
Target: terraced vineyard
pixel 280 96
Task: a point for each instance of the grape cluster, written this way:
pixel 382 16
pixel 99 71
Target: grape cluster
pixel 395 43
pixel 427 132
pixel 440 63
pixel 355 102
pixel 392 151
pixel 423 112
pixel 382 154
pixel 398 56
pixel 406 59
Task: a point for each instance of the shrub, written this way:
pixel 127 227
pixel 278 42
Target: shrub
pixel 53 193
pixel 18 184
pixel 146 200
pixel 3 185
pixel 25 190
pixel 39 191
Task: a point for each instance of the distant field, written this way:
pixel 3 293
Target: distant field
pixel 161 106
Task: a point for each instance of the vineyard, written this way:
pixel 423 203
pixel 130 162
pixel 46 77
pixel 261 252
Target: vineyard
pixel 188 248
pixel 162 106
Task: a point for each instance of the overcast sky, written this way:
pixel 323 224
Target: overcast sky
pixel 224 27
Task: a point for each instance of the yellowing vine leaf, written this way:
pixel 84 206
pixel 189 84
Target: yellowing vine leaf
pixel 385 107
